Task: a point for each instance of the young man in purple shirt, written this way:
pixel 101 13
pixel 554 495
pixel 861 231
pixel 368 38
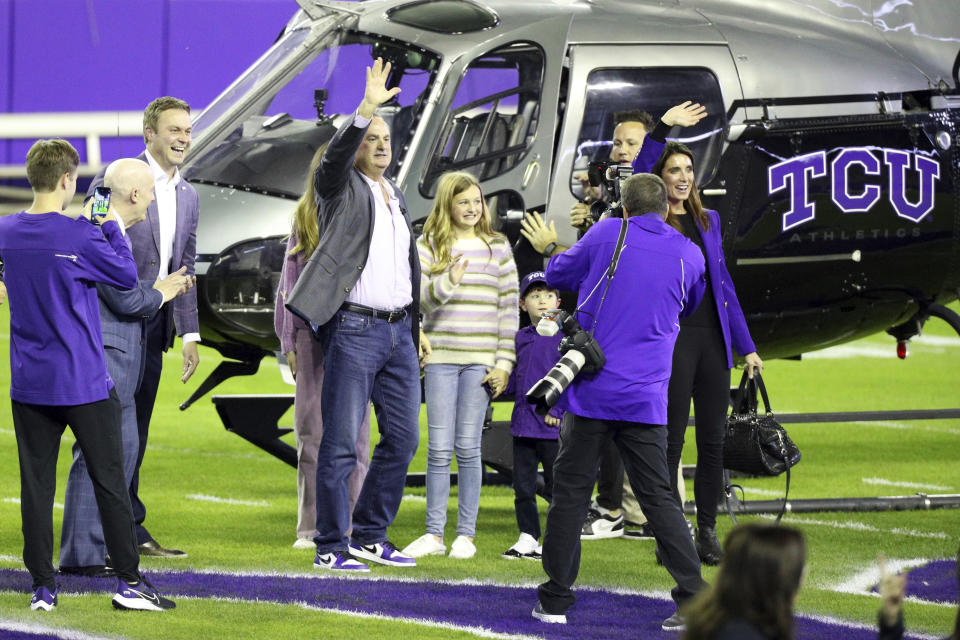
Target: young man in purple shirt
pixel 534 436
pixel 58 377
pixel 659 278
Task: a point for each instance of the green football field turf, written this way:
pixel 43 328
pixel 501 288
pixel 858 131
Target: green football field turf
pixel 233 508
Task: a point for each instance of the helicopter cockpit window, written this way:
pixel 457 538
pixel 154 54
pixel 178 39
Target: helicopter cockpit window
pixel 652 90
pixel 271 150
pixel 493 117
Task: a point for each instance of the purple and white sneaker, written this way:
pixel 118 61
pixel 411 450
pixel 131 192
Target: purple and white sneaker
pixel 338 561
pixel 382 553
pixel 140 596
pixel 43 599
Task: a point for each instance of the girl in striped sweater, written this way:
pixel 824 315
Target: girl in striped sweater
pixel 469 303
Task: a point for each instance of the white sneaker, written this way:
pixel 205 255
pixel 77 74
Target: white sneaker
pixel 462 548
pixel 601 523
pixel 425 545
pixel 304 543
pixel 524 546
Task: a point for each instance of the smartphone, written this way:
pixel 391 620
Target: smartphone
pixel 101 202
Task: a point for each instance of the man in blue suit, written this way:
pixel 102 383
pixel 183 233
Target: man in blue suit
pixel 123 316
pixel 167 243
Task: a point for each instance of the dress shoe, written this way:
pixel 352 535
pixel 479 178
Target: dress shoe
pixel 708 547
pixel 153 548
pixel 91 571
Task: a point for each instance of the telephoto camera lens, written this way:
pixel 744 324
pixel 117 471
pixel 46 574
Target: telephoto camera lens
pixel 545 393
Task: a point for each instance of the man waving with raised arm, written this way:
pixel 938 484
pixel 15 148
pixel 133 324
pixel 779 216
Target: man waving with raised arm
pixel 359 293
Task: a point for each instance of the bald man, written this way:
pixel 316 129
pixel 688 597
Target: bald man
pixel 123 316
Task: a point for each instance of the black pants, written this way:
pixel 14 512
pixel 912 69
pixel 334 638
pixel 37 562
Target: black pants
pixel 96 426
pixel 699 369
pixel 610 478
pixel 643 449
pixel 146 396
pixel 528 454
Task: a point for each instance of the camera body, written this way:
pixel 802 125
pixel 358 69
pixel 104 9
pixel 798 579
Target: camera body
pixel 581 352
pixel 608 175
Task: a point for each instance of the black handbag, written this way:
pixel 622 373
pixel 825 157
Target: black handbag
pixel 756 444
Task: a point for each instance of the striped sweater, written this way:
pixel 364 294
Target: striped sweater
pixel 475 321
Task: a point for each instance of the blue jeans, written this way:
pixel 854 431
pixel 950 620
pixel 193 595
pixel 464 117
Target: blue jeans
pixel 365 359
pixel 456 407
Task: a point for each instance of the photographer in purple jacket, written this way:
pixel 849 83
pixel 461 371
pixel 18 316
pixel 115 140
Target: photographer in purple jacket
pixel 633 317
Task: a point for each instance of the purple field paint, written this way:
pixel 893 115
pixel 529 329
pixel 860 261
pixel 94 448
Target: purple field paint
pixel 936 582
pixel 597 614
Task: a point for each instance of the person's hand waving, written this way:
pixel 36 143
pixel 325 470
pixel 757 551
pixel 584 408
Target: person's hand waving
pixel 376 92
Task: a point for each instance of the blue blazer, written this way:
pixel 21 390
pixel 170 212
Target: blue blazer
pixel 123 316
pixel 736 334
pixel 145 242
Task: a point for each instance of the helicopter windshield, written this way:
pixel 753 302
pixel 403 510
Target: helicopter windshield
pixel 287 120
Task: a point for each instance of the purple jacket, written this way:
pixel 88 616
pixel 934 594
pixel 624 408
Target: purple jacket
pixel 658 280
pixel 732 322
pixel 51 266
pixel 536 355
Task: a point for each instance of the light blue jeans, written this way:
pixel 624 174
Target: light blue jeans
pixel 456 406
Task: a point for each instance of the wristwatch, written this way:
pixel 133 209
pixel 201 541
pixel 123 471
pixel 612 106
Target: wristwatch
pixel 549 249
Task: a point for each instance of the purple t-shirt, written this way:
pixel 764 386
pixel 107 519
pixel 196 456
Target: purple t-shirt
pixel 658 280
pixel 50 266
pixel 536 355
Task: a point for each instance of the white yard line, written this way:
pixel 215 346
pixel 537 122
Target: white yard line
pixel 409 497
pixel 907 485
pixel 761 492
pixel 208 454
pixel 859 526
pixel 862 582
pixel 480 632
pixel 6 558
pixel 936 341
pixel 903 426
pixel 218 500
pixel 56 505
pixel 66 634
pixel 850 351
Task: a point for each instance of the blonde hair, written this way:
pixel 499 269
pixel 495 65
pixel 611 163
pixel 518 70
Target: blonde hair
pixel 438 230
pixel 305 215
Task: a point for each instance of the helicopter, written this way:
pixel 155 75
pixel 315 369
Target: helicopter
pixel 830 149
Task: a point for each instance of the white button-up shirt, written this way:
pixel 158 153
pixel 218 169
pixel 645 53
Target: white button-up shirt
pixel 385 280
pixel 165 190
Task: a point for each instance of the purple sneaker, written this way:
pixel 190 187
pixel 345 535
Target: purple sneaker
pixel 382 553
pixel 43 599
pixel 338 561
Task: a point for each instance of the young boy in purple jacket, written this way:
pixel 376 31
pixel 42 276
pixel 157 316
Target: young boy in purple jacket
pixel 534 437
pixel 58 374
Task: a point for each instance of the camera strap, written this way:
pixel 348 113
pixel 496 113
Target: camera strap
pixel 612 269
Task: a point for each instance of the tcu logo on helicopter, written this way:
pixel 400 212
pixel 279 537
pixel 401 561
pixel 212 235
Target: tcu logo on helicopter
pixel 796 173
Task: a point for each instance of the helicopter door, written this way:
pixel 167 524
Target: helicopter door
pixel 501 119
pixel 648 78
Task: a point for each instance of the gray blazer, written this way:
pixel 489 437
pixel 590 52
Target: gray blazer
pixel 345 217
pixel 145 242
pixel 123 316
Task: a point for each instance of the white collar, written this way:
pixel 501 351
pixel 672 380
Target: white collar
pixel 378 183
pixel 159 175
